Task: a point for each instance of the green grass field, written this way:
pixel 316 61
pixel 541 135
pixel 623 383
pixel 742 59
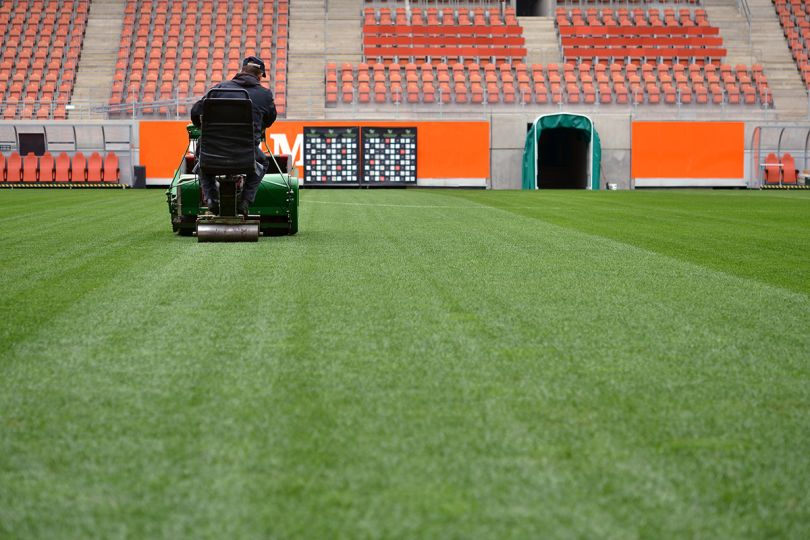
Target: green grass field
pixel 413 364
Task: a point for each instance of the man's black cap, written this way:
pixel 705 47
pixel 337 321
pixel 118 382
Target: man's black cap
pixel 256 61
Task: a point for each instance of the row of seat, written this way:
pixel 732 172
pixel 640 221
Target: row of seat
pixel 629 17
pixel 582 2
pixel 40 44
pixel 176 49
pixel 40 110
pixel 582 83
pixel 445 17
pixel 780 171
pixel 638 35
pixel 795 20
pixel 442 35
pixel 62 168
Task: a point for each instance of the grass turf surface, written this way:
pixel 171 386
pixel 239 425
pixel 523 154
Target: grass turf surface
pixel 422 364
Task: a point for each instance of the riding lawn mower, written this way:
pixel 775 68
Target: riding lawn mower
pixel 274 211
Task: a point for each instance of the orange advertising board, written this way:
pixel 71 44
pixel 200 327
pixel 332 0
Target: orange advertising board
pixel 705 150
pixel 444 149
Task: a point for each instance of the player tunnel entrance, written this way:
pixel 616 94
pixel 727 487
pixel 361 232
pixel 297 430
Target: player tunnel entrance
pixel 562 158
pixel 562 151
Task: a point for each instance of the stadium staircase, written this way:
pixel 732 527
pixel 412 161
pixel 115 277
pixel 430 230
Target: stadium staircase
pixel 318 29
pixel 767 46
pixel 99 55
pixel 542 43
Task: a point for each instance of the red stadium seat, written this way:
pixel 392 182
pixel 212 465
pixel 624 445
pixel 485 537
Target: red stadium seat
pixel 46 167
pixel 78 172
pixel 95 168
pixel 772 172
pixel 789 172
pixel 112 172
pixel 30 167
pixel 62 168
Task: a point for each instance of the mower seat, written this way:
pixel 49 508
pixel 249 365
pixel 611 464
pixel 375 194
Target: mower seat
pixel 227 147
pixel 227 151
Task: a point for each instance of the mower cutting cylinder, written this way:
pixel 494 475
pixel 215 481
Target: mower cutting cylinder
pixel 211 232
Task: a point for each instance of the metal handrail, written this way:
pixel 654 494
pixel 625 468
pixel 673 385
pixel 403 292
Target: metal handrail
pixel 743 7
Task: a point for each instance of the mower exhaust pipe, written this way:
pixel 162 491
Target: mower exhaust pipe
pixel 217 232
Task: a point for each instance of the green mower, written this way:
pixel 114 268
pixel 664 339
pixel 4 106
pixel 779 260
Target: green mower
pixel 274 212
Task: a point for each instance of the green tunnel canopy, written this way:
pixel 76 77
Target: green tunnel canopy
pixel 560 120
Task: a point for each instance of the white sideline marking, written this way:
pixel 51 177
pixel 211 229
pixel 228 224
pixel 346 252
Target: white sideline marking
pixel 396 205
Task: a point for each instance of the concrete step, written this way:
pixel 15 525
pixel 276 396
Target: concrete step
pixel 542 42
pixel 99 54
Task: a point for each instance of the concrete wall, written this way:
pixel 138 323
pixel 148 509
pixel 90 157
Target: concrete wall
pixel 508 135
pixel 615 135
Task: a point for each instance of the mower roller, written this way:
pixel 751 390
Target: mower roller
pixel 274 211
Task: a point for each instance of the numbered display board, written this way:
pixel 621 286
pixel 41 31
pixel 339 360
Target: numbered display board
pixel 331 155
pixel 389 155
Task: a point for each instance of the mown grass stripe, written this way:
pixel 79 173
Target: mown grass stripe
pixel 401 369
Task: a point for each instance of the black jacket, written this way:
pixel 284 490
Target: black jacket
pixel 264 108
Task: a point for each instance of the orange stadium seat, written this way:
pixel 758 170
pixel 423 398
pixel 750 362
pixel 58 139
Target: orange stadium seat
pixel 30 168
pixel 95 169
pixel 112 172
pixel 14 167
pixel 46 167
pixel 773 174
pixel 789 172
pixel 78 171
pixel 62 168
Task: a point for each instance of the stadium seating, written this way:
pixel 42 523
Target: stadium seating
pixel 62 168
pixel 78 169
pixel 40 44
pixel 583 82
pixel 30 167
pixel 46 168
pixel 13 168
pixel 622 56
pixel 794 16
pixel 442 35
pixel 625 35
pixel 112 171
pixel 773 174
pixel 95 166
pixel 780 171
pixel 789 172
pixel 591 2
pixel 174 50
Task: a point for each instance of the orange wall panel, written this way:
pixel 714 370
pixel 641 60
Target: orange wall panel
pixel 445 149
pixel 161 147
pixel 688 150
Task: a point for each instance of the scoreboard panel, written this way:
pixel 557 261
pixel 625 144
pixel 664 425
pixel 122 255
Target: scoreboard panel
pixel 389 155
pixel 331 155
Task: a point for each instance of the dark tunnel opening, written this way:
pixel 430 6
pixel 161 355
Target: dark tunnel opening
pixel 562 159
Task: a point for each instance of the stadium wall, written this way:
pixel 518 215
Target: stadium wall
pixel 509 136
pixel 496 152
pixel 454 153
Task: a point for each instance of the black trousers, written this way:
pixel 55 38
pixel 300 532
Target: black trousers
pixel 249 189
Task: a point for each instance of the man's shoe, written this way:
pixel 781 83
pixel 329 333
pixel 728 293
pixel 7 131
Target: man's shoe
pixel 213 207
pixel 244 207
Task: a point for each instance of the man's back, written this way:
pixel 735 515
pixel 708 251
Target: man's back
pixel 264 108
